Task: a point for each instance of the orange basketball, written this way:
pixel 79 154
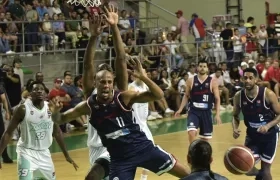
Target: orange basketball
pixel 239 160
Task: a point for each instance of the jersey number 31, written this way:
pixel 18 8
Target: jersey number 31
pixel 205 98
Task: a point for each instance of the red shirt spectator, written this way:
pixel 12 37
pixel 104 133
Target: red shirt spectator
pixel 260 68
pixel 57 91
pixel 273 72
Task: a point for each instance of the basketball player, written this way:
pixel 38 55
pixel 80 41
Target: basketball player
pixel 200 159
pixel 141 110
pixel 111 115
pixel 99 156
pixel 202 90
pixel 261 113
pixel 37 129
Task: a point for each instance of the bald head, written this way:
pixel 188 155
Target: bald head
pixel 104 74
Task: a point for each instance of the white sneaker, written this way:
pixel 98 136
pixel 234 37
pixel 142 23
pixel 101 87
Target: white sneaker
pixel 158 116
pixel 229 107
pixel 151 117
pixel 10 52
pixel 15 137
pixel 169 111
pixel 222 108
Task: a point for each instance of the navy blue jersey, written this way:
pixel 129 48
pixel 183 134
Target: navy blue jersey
pixel 201 95
pixel 257 112
pixel 117 127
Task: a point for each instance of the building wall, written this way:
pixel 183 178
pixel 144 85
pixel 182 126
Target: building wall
pixel 209 8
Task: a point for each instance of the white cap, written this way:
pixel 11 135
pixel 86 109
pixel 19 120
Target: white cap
pixel 251 61
pixel 244 64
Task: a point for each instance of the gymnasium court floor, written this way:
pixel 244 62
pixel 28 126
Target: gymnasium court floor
pixel 170 134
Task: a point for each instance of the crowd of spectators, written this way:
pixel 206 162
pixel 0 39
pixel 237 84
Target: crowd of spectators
pixel 169 64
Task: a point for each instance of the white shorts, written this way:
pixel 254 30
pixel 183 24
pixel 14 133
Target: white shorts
pixel 98 153
pixel 148 133
pixel 34 164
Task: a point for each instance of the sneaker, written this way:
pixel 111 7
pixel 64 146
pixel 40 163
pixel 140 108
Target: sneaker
pixel 158 116
pixel 222 108
pixel 151 117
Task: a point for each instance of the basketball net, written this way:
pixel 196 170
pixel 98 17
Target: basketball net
pixel 85 3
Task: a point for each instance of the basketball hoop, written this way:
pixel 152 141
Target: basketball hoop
pixel 85 3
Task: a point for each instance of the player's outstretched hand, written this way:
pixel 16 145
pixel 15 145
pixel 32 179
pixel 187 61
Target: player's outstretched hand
pixel 96 25
pixel 111 15
pixel 55 105
pixel 236 133
pixel 72 162
pixel 137 67
pixel 263 129
pixel 218 120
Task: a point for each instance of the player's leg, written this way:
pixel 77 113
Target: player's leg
pixel 206 125
pixel 46 166
pixel 100 161
pixel 192 125
pixel 253 146
pixel 25 167
pixel 267 155
pixel 123 169
pixel 146 130
pixel 160 162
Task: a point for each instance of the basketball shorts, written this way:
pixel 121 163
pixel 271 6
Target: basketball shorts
pixel 202 120
pixel 264 149
pixel 98 153
pixel 152 158
pixel 147 131
pixel 34 164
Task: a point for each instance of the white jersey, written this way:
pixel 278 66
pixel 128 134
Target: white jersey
pixel 140 110
pixel 36 127
pixel 93 137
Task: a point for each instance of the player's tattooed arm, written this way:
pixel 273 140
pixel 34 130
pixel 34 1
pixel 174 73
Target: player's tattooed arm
pixel 120 63
pixel 273 100
pixel 236 111
pixel 18 116
pixel 62 118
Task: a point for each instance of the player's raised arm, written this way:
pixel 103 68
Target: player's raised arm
pixel 62 118
pixel 120 63
pixel 185 97
pixel 88 73
pixel 18 116
pixel 272 99
pixel 236 112
pixel 155 93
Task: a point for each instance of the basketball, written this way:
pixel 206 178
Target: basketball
pixel 239 160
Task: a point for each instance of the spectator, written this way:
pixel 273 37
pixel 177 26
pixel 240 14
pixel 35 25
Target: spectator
pixel 175 58
pixel 124 24
pixel 25 93
pixel 72 29
pixel 242 28
pixel 82 44
pixel 41 10
pixel 219 52
pixel 48 38
pixel 17 11
pixel 250 22
pixel 11 31
pixel 58 92
pixel 133 19
pixel 273 77
pixel 183 31
pixel 262 34
pixel 59 30
pixel 17 70
pixel 55 9
pixel 39 77
pixel 85 20
pixel 226 34
pixel 31 28
pixel 198 26
pixel 237 47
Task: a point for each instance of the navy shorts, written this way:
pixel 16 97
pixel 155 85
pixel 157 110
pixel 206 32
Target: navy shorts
pixel 152 158
pixel 262 147
pixel 202 120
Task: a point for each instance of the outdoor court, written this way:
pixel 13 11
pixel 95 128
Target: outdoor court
pixel 170 134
